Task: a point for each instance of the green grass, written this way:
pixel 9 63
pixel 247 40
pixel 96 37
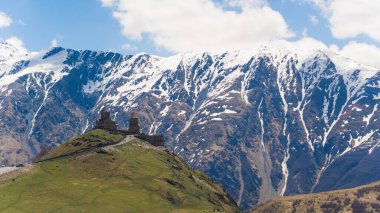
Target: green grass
pixel 91 139
pixel 360 199
pixel 133 177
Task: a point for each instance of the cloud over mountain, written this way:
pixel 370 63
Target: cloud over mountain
pixel 350 18
pixel 199 24
pixel 5 20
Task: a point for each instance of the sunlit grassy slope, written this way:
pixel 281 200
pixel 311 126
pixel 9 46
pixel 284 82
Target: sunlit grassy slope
pixel 362 199
pixel 133 177
pixel 89 140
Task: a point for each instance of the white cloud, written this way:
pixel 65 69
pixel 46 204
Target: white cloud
pixel 245 3
pixel 200 25
pixel 107 3
pixel 305 32
pixel 18 44
pixel 54 43
pixel 5 20
pixel 192 25
pixel 322 4
pixel 350 18
pixel 307 43
pixel 314 20
pixel 21 22
pixel 362 53
pixel 128 47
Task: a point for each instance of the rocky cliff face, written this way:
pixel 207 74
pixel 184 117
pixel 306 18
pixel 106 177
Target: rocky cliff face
pixel 262 123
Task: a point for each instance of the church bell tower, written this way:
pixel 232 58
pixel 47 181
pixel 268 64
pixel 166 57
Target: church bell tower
pixel 134 127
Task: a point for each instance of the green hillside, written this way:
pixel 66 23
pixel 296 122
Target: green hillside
pixel 85 142
pixel 363 199
pixel 131 177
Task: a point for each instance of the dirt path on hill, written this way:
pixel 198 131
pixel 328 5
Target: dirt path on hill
pixel 85 150
pixel 11 173
pixel 124 141
pixel 5 170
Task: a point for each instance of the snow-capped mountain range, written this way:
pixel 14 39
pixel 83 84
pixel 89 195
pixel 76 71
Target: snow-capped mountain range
pixel 262 123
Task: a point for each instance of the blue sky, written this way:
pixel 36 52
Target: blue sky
pixel 75 24
pixel 131 26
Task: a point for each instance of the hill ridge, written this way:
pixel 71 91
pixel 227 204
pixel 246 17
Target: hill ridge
pixel 360 199
pixel 123 175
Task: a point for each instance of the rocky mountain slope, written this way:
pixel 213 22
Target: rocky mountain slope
pixel 86 175
pixel 356 200
pixel 262 123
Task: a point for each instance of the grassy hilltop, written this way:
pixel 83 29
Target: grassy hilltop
pixel 364 199
pixel 84 176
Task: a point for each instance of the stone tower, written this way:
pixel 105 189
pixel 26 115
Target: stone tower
pixel 105 121
pixel 134 127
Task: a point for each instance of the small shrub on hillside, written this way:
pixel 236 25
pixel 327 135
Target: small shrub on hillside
pixel 332 207
pixel 309 202
pixel 310 210
pixel 376 188
pixel 276 207
pixel 361 192
pixel 347 201
pixel 375 207
pixel 174 183
pixel 295 204
pixel 359 207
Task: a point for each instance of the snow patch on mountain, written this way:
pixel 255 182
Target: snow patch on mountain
pixel 36 63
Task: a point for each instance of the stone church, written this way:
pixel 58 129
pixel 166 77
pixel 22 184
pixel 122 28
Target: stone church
pixel 105 122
